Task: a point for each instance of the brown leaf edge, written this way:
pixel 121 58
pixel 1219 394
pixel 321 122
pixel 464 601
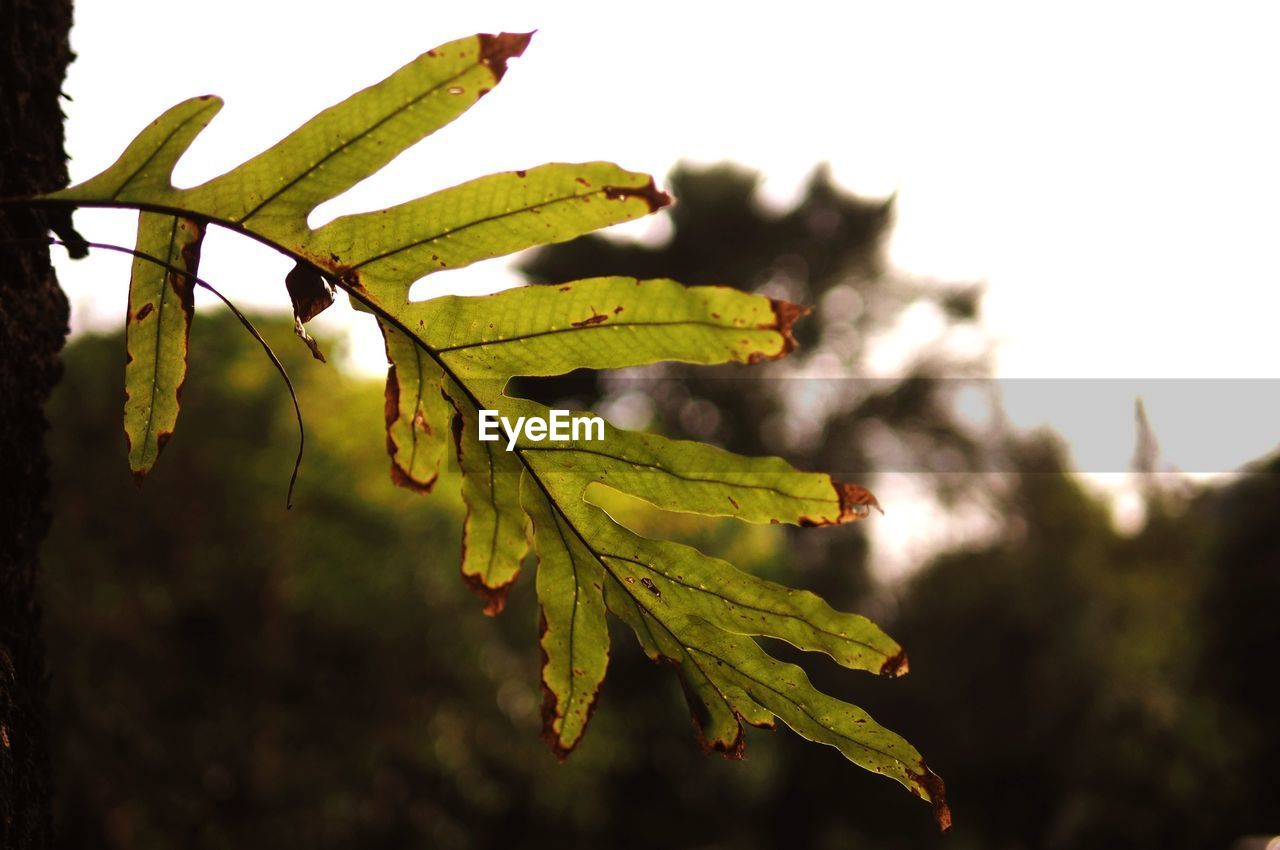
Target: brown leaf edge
pixel 735 750
pixel 649 193
pixel 937 789
pixel 391 411
pixel 855 502
pixel 496 50
pixel 549 736
pixel 785 315
pixel 494 596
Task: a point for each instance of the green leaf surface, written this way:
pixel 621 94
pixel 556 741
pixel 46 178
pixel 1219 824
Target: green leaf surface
pixel 575 638
pixel 600 323
pixel 418 414
pixel 494 532
pixel 488 217
pixel 452 357
pixel 156 331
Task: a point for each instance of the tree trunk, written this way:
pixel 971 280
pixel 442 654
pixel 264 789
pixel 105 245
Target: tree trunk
pixel 34 52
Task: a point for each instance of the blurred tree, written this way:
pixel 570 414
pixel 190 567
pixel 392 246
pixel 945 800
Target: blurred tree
pixel 1066 691
pixel 1242 616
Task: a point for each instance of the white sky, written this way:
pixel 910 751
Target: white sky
pixel 1110 170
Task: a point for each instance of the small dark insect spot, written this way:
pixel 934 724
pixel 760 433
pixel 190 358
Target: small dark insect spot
pixel 653 588
pixel 594 319
pixel 144 311
pixel 521 173
pixel 734 502
pixel 583 181
pixel 715 315
pixel 565 288
pixel 617 310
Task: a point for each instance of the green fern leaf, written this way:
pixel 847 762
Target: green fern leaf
pixel 452 358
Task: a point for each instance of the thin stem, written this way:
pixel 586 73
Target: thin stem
pixel 248 325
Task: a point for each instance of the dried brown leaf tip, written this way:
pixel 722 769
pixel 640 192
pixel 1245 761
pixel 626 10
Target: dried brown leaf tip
pixel 649 193
pixel 495 50
pixel 855 502
pixel 895 665
pixel 549 704
pixel 495 598
pixel 932 783
pixel 785 315
pixel 403 479
pixel 732 750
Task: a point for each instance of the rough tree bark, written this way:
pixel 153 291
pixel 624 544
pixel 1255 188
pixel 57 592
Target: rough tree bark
pixel 34 52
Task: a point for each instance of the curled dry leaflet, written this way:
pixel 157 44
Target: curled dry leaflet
pixel 451 358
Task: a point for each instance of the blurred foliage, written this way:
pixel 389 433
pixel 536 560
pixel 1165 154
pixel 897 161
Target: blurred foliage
pixel 229 674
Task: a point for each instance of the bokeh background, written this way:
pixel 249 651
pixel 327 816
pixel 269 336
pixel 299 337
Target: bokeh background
pixel 1088 669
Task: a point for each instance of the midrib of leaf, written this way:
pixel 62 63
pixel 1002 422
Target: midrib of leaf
pixel 493 496
pixel 586 328
pixel 802 709
pixel 653 568
pixel 179 212
pixel 476 223
pixel 354 139
pixel 659 468
pixel 417 408
pixel 155 360
pixel 577 589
